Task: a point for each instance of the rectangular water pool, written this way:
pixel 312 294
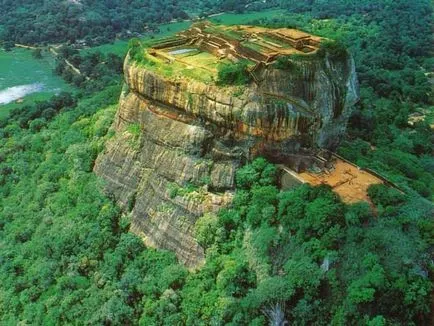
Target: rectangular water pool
pixel 181 51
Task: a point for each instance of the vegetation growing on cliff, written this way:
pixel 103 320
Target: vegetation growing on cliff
pixel 335 49
pixel 136 50
pixel 233 74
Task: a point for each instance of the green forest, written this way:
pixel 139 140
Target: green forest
pixel 301 255
pixel 33 22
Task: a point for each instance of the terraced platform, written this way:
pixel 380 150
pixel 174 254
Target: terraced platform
pixel 199 50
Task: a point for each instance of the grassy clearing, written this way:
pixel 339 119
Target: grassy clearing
pixel 18 67
pixel 203 60
pixel 195 67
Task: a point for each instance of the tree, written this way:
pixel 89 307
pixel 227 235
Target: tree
pixel 233 74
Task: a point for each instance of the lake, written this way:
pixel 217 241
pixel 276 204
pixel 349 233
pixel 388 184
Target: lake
pixel 24 77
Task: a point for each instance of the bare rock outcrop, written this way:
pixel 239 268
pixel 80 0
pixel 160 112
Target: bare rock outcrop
pixel 178 141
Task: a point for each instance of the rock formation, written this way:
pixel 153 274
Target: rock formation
pixel 178 140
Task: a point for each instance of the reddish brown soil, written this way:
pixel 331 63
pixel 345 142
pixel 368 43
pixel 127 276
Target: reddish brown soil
pixel 348 181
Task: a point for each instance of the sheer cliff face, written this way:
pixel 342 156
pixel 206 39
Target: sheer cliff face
pixel 172 134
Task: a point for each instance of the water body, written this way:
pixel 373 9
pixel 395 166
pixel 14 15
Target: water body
pixel 14 93
pixel 181 51
pixel 22 76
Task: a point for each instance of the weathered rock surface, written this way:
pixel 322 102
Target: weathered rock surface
pixel 171 133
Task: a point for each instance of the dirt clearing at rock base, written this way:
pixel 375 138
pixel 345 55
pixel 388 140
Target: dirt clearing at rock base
pixel 349 181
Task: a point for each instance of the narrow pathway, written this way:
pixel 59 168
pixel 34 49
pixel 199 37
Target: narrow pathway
pixel 67 62
pixel 17 45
